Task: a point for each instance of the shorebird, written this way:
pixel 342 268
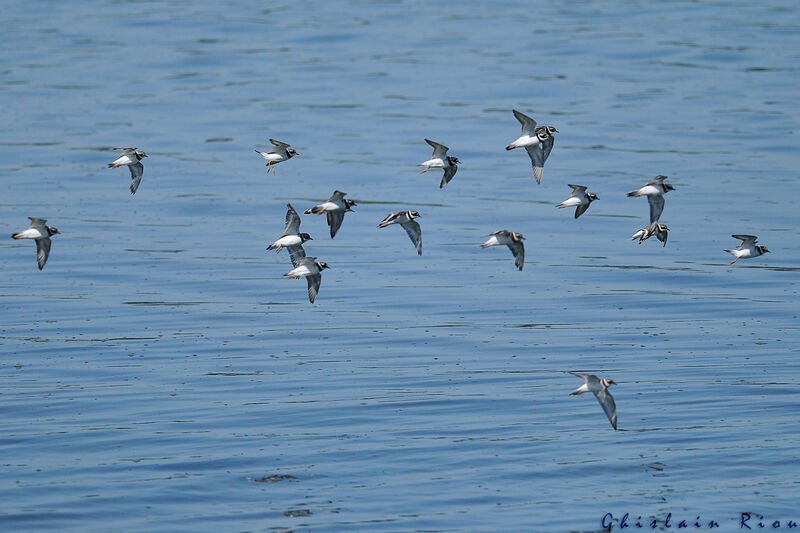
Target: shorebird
pixel 599 387
pixel 747 249
pixel 130 157
pixel 537 141
pixel 440 159
pixel 309 268
pixel 291 239
pixel 41 233
pixel 661 231
pixel 280 152
pixel 511 239
pixel 655 189
pixel 334 210
pixel 406 219
pixel 579 198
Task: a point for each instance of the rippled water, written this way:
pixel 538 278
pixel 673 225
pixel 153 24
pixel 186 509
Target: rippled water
pixel 160 374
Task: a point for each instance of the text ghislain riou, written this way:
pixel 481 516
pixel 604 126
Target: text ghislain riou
pixel 746 521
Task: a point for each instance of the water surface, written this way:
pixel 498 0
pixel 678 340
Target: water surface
pixel 161 374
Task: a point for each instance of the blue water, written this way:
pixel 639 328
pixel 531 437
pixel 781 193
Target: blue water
pixel 160 374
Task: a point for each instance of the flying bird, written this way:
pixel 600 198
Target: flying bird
pixel 334 209
pixel 406 219
pixel 511 239
pixel 291 238
pixel 440 159
pixel 747 249
pixel 579 199
pixel 661 231
pixel 41 233
pixel 600 389
pixel 309 268
pixel 280 152
pixel 131 157
pixel 655 189
pixel 537 141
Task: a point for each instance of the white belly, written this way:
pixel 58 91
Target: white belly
pixel 300 272
pixel 289 240
pixel 31 233
pixel 525 140
pixel 272 158
pixel 435 163
pixel 125 160
pixel 572 201
pixel 649 190
pixel 496 240
pixel 331 206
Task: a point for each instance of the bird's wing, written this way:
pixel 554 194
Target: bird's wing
pixel 449 172
pixel 37 222
pixel 390 218
pixel 334 221
pixel 658 180
pixel 528 124
pixel 314 282
pixel 581 209
pixel 279 144
pixel 662 233
pixel 577 190
pixel 42 251
pixel 292 221
pixel 439 150
pixel 656 207
pixel 414 233
pixel 607 403
pixel 747 240
pixel 518 249
pixel 136 176
pixel 537 160
pixel 547 147
pixel 296 254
